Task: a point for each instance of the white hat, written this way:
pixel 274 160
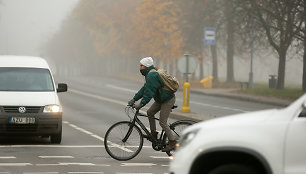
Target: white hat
pixel 147 61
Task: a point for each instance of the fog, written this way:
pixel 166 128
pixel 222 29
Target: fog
pixel 25 25
pixel 92 37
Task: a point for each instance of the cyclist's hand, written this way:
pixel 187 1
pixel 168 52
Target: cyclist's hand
pixel 138 106
pixel 131 102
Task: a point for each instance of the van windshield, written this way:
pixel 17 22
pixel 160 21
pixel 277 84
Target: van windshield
pixel 25 79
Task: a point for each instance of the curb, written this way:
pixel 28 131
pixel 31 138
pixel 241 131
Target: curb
pixel 190 116
pixel 257 99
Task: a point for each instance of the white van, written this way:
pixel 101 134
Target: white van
pixel 29 104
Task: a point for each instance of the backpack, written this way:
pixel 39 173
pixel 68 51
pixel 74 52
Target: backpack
pixel 170 83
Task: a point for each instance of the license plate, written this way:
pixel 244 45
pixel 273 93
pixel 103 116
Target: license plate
pixel 22 120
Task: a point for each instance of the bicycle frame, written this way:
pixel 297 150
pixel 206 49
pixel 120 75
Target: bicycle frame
pixel 142 126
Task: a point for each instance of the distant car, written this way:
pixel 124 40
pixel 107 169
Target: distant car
pixel 262 142
pixel 29 104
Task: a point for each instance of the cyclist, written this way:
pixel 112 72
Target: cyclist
pixel 164 100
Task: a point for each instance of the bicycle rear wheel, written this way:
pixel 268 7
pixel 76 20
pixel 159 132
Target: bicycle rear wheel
pixel 176 129
pixel 123 141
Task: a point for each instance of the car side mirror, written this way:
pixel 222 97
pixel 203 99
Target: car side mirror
pixel 62 87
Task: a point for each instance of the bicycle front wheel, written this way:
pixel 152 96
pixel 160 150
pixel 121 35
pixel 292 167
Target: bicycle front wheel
pixel 176 129
pixel 123 141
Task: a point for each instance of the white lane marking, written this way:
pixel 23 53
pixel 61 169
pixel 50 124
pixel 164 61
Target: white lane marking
pixel 62 146
pixel 98 97
pixel 98 137
pixel 53 146
pixel 214 106
pixel 7 157
pixel 120 88
pixel 159 157
pixel 197 103
pixel 56 157
pixel 40 172
pixel 15 164
pixel 137 164
pixel 134 173
pixel 67 164
pixel 87 172
pixel 80 129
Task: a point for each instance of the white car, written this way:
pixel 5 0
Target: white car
pixel 263 142
pixel 29 104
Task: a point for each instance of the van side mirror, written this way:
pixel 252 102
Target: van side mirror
pixel 62 87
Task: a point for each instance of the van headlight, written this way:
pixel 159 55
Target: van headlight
pixel 187 138
pixel 53 108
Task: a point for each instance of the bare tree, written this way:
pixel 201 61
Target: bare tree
pixel 278 18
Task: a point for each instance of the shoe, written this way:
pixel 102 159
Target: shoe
pixel 170 146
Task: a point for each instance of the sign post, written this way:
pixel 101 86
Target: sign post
pixel 186 65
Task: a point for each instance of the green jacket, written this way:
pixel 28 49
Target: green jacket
pixel 153 88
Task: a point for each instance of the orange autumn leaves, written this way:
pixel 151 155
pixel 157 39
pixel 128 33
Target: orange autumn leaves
pixel 133 27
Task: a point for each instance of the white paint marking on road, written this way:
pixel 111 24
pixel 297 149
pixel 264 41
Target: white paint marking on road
pixel 79 164
pixel 53 146
pixel 15 164
pixel 56 157
pixel 197 103
pixel 134 173
pixel 218 107
pixel 87 172
pixel 40 173
pixel 120 88
pixel 7 157
pixel 137 164
pixel 98 97
pixel 159 157
pixel 67 164
pixel 99 138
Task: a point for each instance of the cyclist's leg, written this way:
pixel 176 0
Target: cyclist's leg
pixel 151 112
pixel 165 110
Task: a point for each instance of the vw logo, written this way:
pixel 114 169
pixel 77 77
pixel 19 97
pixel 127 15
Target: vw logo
pixel 22 109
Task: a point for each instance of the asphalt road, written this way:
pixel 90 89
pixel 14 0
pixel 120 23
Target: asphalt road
pixel 90 107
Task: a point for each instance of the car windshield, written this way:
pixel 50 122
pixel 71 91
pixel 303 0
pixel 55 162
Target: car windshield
pixel 25 79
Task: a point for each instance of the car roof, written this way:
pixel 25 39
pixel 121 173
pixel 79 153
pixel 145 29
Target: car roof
pixel 23 61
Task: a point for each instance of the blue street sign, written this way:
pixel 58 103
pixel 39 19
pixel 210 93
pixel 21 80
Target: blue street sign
pixel 209 36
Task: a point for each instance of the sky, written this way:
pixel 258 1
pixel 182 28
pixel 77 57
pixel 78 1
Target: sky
pixel 26 24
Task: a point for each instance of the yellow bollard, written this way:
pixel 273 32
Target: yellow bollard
pixel 205 82
pixel 210 81
pixel 186 94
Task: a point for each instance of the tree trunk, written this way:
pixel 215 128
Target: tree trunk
pixel 215 63
pixel 304 58
pixel 230 42
pixel 281 68
pixel 304 65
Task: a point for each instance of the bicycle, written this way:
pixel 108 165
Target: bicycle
pixel 124 140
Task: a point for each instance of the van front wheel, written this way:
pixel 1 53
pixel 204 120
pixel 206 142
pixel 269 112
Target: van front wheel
pixel 56 138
